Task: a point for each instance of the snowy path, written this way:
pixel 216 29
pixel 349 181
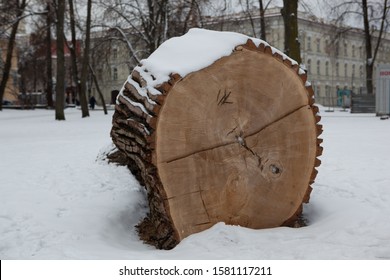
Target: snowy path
pixel 58 202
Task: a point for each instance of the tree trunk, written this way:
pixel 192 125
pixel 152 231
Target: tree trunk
pixel 85 65
pixel 371 57
pixel 60 83
pixel 73 51
pixel 98 90
pixel 49 75
pixel 290 18
pixel 263 35
pixel 367 37
pixel 10 48
pixel 233 142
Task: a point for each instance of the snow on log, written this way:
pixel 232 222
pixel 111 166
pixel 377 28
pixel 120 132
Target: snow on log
pixel 218 127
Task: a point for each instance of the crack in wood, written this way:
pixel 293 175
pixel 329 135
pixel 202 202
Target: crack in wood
pixel 231 131
pixel 278 119
pixel 234 141
pixel 204 204
pixel 242 142
pixel 202 224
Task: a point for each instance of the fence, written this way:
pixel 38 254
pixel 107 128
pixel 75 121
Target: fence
pixel 363 103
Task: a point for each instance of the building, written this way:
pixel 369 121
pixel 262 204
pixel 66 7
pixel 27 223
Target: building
pixel 112 62
pixel 12 88
pixel 334 56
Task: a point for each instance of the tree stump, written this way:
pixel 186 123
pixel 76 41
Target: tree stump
pixel 235 141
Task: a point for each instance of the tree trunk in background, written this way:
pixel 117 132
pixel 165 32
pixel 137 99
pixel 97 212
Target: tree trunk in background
pixel 290 18
pixel 371 56
pixel 49 88
pixel 98 90
pixel 73 51
pixel 84 69
pixel 60 83
pixel 262 21
pixel 10 48
pixel 367 37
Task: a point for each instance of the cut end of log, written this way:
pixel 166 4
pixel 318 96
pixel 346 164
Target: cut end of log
pixel 235 142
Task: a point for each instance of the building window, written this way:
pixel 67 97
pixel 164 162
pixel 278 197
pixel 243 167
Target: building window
pixel 318 67
pixel 361 71
pixel 115 74
pixel 319 90
pixel 326 46
pixel 327 68
pixel 353 70
pixel 345 70
pixel 353 50
pixel 309 43
pixel 337 69
pixel 309 66
pixel 318 45
pixel 345 49
pixel 327 90
pixel 361 51
pixel 115 53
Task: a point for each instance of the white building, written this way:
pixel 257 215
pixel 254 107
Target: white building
pixel 334 56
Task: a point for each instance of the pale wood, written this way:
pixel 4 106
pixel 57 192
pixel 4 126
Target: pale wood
pixel 235 142
pixel 203 165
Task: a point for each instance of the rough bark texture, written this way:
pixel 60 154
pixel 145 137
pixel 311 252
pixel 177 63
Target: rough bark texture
pixel 236 142
pixel 49 74
pixel 60 83
pixel 85 64
pixel 290 19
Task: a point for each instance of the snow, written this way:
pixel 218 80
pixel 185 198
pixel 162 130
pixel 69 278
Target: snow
pixel 195 50
pixel 60 200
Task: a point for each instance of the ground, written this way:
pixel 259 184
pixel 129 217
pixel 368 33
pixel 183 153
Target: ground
pixel 59 200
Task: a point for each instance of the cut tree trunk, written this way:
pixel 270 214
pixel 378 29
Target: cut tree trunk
pixel 235 142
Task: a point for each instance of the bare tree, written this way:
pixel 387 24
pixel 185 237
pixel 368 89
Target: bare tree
pixel 11 11
pixel 85 64
pixel 60 81
pixel 150 22
pixel 368 34
pixel 290 18
pixel 98 89
pixel 262 9
pixel 49 74
pixel 31 61
pixel 247 7
pixel 374 17
pixel 73 50
pixel 147 19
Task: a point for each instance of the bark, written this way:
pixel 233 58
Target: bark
pixel 73 50
pixel 85 65
pixel 263 35
pixel 60 83
pixel 99 91
pixel 290 18
pixel 371 57
pixel 367 37
pixel 49 75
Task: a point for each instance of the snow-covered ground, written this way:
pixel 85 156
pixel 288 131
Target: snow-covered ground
pixel 59 201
